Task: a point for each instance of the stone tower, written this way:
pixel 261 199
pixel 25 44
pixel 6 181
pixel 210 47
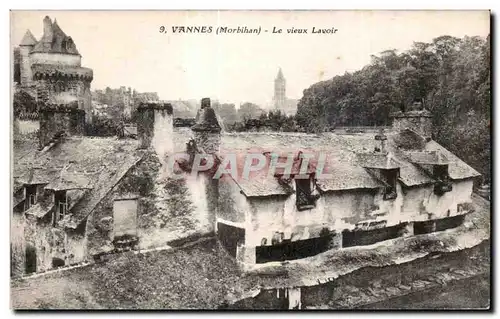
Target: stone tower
pixel 279 91
pixel 25 47
pixel 53 66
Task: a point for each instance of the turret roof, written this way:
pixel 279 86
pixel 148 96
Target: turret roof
pixel 28 39
pixel 54 40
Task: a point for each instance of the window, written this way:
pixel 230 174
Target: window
pixel 443 183
pixel 390 177
pixel 277 238
pixel 61 207
pixel 305 194
pixel 30 196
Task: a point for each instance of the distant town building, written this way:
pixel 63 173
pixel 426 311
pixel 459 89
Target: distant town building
pixel 50 68
pixel 280 101
pixel 279 91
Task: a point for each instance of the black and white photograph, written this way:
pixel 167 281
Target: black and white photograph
pixel 288 160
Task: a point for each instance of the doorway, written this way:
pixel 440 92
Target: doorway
pixel 30 259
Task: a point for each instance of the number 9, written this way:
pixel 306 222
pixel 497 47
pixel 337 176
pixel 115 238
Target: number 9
pixel 162 29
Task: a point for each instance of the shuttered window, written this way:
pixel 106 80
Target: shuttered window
pixel 124 217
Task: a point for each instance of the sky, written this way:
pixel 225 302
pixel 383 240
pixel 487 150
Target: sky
pixel 126 48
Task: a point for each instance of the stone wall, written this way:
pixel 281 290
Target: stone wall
pixel 50 243
pixel 233 206
pixel 418 121
pixel 63 90
pixel 26 74
pixel 208 141
pixel 55 58
pixel 59 119
pixel 167 209
pixel 421 202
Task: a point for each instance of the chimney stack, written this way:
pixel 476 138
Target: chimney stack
pixel 207 129
pixel 47 32
pixel 155 127
pixel 416 118
pixel 56 119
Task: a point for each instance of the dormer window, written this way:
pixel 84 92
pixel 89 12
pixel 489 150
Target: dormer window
pixel 384 168
pixel 61 207
pixel 390 177
pixel 306 194
pixel 443 182
pixel 31 198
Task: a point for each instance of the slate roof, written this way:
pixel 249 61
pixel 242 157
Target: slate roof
pixel 56 41
pixel 376 160
pixel 346 157
pixel 28 39
pixel 88 167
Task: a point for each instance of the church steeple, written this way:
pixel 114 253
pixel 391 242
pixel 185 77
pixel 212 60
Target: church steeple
pixel 279 91
pixel 280 75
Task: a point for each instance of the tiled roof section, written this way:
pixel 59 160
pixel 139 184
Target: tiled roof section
pixel 257 183
pixel 23 160
pixel 411 174
pixel 84 162
pixel 28 39
pixel 18 194
pixel 457 169
pixel 375 160
pixel 340 162
pixel 427 158
pixel 38 175
pixel 342 156
pixel 41 208
pixel 408 140
pixel 61 70
pixel 55 41
pixel 70 180
pixel 105 182
pixel 346 176
pixel 38 210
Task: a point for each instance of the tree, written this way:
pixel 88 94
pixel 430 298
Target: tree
pixel 249 111
pixel 24 103
pixel 451 75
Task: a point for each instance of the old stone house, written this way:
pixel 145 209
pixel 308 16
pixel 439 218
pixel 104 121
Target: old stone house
pixel 381 185
pixel 78 197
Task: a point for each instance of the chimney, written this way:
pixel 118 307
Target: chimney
pixel 382 138
pixel 155 127
pixel 207 129
pixel 416 119
pixel 58 119
pixel 47 32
